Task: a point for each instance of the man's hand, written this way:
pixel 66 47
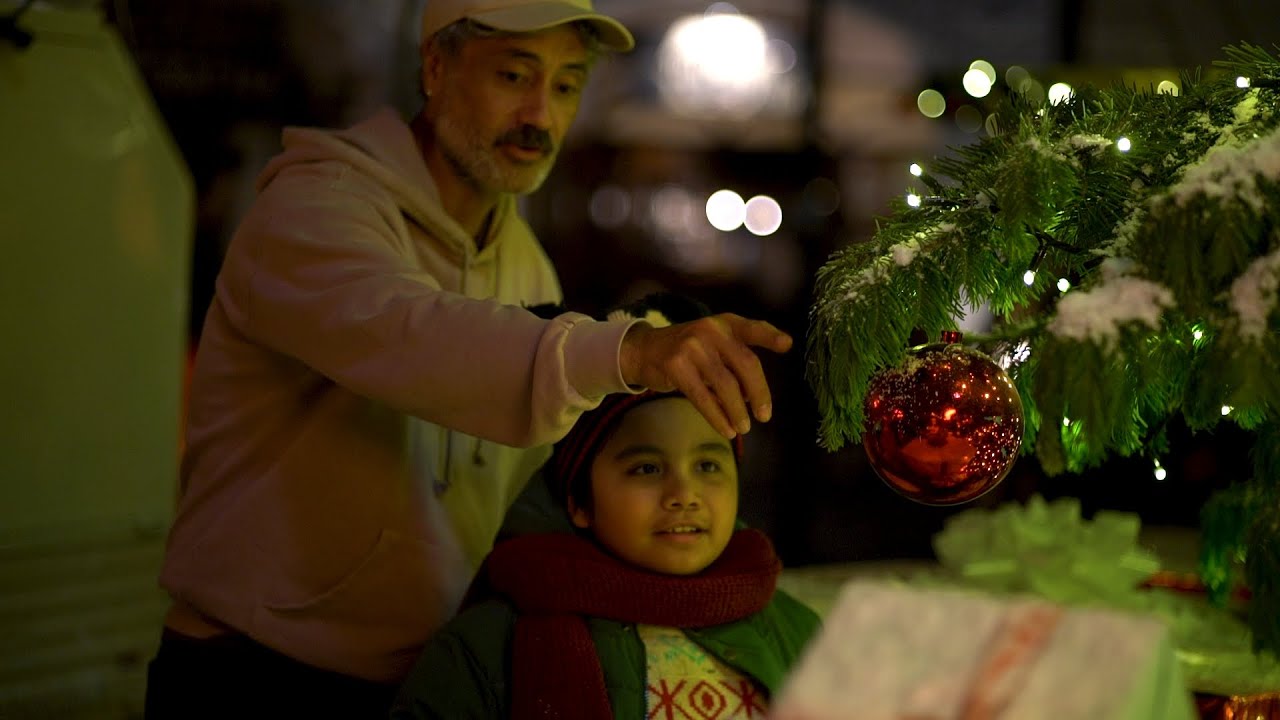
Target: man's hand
pixel 710 360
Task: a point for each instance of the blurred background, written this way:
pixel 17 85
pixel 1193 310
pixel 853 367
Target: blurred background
pixel 727 157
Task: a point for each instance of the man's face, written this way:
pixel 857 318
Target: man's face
pixel 664 489
pixel 502 106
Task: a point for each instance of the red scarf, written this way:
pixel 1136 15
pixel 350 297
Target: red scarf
pixel 555 580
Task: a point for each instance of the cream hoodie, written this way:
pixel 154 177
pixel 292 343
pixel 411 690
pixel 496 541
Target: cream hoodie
pixel 325 509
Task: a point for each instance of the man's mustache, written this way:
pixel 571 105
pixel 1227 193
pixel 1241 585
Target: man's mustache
pixel 528 136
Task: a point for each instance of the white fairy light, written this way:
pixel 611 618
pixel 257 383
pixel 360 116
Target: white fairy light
pixel 976 82
pixel 1226 409
pixel 1124 144
pixel 1029 277
pixel 1060 92
pixel 913 200
pixel 1242 82
pixel 1063 284
pixel 916 169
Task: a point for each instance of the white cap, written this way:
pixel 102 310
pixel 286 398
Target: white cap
pixel 522 16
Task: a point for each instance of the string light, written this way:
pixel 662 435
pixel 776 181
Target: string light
pixel 916 169
pixel 913 200
pixel 1242 82
pixel 1197 334
pixel 1060 92
pixel 1066 422
pixel 1160 472
pixel 1226 409
pixel 1123 144
pixel 1063 284
pixel 1029 277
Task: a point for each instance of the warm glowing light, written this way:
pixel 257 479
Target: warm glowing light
pixel 987 69
pixel 1197 334
pixel 1160 473
pixel 1063 284
pixel 977 83
pixel 1017 78
pixel 1242 82
pixel 763 215
pixel 948 413
pixel 1167 87
pixel 1060 92
pixel 719 61
pixel 913 200
pixel 673 210
pixel 1066 422
pixel 931 103
pixel 1029 277
pixel 1124 144
pixel 726 210
pixel 916 169
pixel 1226 409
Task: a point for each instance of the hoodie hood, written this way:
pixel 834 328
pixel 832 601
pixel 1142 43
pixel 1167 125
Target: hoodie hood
pixel 382 148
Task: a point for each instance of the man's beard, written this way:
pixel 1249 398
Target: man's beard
pixel 476 160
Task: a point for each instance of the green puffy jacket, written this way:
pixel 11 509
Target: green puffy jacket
pixel 463 671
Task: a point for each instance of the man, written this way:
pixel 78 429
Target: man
pixel 369 394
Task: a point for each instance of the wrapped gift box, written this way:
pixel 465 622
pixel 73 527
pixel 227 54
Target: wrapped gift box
pixel 893 652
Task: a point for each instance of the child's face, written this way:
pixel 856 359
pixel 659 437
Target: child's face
pixel 664 488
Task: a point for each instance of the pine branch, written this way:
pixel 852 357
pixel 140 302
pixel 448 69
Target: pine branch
pixel 1163 213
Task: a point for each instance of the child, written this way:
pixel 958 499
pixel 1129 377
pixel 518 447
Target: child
pixel 659 605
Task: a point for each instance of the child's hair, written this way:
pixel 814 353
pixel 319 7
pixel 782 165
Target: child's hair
pixel 570 465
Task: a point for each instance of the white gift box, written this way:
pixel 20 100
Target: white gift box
pixel 890 652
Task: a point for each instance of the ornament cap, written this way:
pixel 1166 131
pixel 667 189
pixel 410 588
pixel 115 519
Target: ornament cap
pixel 952 336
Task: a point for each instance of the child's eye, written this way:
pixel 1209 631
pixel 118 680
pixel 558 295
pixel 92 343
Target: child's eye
pixel 645 469
pixel 510 76
pixel 568 89
pixel 708 466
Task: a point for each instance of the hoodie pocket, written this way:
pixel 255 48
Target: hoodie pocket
pixel 402 581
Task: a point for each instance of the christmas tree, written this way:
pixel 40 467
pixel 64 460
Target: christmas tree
pixel 1128 242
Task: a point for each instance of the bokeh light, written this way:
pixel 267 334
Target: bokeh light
pixel 976 83
pixel 673 210
pixel 726 210
pixel 931 103
pixel 1016 77
pixel 992 125
pixel 610 207
pixel 968 118
pixel 782 57
pixel 1060 92
pixel 1167 87
pixel 716 62
pixel 763 215
pixel 1123 144
pixel 987 69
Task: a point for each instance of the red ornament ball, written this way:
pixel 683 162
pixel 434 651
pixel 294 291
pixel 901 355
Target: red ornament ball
pixel 945 427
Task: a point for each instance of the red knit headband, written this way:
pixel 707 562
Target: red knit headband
pixel 572 454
